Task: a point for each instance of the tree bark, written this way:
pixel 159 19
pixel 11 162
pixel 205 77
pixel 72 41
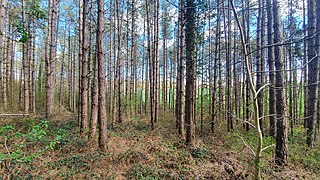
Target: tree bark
pixel 94 101
pixel 190 71
pixel 272 100
pixel 215 67
pixel 2 25
pixel 180 116
pixel 51 61
pixel 281 118
pixel 313 50
pixel 102 117
pixel 84 69
pixel 62 72
pixel 25 61
pixel 133 59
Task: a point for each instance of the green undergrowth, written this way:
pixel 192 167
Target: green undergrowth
pixel 42 149
pixel 23 144
pixel 301 154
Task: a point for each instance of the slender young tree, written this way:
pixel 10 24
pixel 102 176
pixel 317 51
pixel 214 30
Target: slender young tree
pixel 256 116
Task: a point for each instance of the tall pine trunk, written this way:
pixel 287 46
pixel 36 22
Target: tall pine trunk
pixel 190 71
pixel 102 116
pixel 281 118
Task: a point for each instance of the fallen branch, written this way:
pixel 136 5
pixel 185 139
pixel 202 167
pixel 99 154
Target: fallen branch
pixel 14 115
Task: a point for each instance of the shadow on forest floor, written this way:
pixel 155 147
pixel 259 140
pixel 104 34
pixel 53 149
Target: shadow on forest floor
pixel 32 148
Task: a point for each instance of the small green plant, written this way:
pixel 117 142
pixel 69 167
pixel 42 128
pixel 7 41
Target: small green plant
pixel 26 144
pixel 58 138
pixel 38 131
pixel 5 129
pixel 199 153
pixel 143 172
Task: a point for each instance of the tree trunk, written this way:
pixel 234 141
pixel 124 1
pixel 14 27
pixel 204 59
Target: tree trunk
pixel 282 137
pixel 2 25
pixel 313 50
pixel 132 98
pixel 305 71
pixel 260 59
pixel 180 118
pixel 102 117
pixel 228 70
pixel 272 100
pixel 94 101
pixel 84 69
pixel 190 71
pixel 6 67
pixel 69 72
pixel 25 61
pixel 215 67
pixel 33 69
pixel 51 61
pixel 62 72
pixel 119 62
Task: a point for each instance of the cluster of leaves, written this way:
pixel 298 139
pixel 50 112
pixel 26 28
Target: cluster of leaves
pixel 58 138
pixel 37 12
pixel 199 153
pixel 24 34
pixel 16 142
pixel 17 152
pixel 143 172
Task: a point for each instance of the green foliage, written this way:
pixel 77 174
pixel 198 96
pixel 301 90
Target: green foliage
pixel 5 129
pixel 58 138
pixel 309 157
pixel 251 139
pixel 142 126
pixel 143 172
pixel 199 153
pixel 38 131
pixel 76 162
pixel 16 142
pixel 37 12
pixel 298 136
pixel 23 32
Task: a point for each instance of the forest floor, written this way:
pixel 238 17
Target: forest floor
pixel 34 149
